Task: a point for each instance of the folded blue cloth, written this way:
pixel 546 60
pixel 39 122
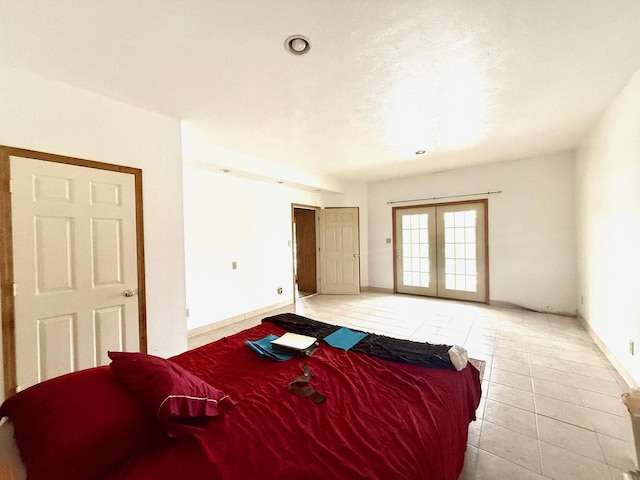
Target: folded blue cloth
pixel 344 338
pixel 264 348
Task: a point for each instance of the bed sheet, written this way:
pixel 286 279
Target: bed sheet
pixel 381 419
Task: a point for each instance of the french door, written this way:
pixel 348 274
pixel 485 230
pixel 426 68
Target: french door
pixel 441 250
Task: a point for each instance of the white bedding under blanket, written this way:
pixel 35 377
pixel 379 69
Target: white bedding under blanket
pixel 11 466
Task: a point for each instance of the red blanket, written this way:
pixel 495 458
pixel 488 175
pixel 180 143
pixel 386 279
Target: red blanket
pixel 381 420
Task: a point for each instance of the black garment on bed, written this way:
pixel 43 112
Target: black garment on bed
pixel 387 348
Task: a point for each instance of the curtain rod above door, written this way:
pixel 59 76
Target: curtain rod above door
pixel 443 197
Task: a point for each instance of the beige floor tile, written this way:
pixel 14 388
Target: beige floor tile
pixel 561 464
pixel 512 365
pixel 481 407
pixel 474 433
pixel 552 375
pixel 511 379
pixel 611 425
pixel 475 348
pixel 549 362
pixel 617 474
pixel 511 354
pixel 542 348
pixel 492 467
pixel 513 418
pixel 566 393
pixel 197 341
pixel 470 461
pixel 512 344
pixel 510 445
pixel 567 412
pixel 572 438
pixel 599 385
pixel 511 396
pixel 618 453
pixel 606 403
pixel 589 358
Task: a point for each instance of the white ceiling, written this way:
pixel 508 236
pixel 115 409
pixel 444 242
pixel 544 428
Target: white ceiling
pixel 469 81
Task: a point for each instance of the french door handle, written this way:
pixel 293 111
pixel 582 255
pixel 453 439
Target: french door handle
pixel 128 293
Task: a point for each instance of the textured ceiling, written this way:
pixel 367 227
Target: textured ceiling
pixel 468 81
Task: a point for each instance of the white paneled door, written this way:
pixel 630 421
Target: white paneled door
pixel 339 250
pixel 441 250
pixel 75 269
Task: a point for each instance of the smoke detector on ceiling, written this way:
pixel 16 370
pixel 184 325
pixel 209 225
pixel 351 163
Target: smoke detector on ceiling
pixel 297 44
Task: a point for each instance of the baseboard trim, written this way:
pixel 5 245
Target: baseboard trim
pixel 231 320
pixel 376 289
pixel 622 371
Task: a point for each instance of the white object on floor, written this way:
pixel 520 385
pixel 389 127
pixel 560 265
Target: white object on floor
pixel 459 357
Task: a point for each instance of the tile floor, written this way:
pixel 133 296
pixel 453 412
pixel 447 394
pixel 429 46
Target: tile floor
pixel 550 405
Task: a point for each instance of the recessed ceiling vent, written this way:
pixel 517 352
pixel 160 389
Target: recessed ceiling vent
pixel 297 45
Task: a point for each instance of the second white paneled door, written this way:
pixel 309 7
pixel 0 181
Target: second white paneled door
pixel 339 245
pixel 441 250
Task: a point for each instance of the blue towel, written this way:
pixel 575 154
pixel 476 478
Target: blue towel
pixel 344 338
pixel 263 347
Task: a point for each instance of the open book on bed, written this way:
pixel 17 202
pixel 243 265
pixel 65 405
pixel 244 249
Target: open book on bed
pixel 295 344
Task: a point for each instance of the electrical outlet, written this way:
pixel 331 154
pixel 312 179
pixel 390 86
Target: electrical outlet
pixel 632 347
pixel 234 265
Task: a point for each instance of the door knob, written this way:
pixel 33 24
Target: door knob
pixel 129 293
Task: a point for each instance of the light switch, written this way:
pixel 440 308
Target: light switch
pixel 234 265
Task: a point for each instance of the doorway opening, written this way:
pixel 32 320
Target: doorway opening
pixel 304 251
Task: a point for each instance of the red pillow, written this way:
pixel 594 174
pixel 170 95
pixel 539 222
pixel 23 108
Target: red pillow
pixel 183 403
pixel 79 426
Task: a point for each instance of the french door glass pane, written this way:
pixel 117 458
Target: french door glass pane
pixel 415 247
pixel 460 251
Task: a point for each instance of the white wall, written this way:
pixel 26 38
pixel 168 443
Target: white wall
pixel 531 227
pixel 43 115
pixel 230 219
pixel 608 207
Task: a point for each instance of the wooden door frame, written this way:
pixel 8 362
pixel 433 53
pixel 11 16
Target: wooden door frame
pixel 301 206
pixel 7 300
pixel 484 201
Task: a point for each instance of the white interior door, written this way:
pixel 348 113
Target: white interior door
pixel 75 267
pixel 441 250
pixel 339 251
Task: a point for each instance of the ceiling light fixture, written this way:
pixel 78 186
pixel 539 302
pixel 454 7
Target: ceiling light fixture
pixel 420 152
pixel 297 44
